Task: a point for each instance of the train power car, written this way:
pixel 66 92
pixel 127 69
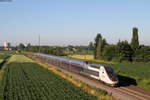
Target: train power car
pixel 100 72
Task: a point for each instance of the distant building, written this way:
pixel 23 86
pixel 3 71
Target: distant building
pixel 7 45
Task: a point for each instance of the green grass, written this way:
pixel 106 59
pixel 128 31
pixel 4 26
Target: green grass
pixel 141 70
pixel 25 80
pixel 8 52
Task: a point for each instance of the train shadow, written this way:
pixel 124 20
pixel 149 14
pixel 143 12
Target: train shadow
pixel 126 81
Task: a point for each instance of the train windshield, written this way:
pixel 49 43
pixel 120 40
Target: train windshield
pixel 111 73
pixel 109 70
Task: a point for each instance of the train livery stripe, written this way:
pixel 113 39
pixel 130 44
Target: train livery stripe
pixel 93 69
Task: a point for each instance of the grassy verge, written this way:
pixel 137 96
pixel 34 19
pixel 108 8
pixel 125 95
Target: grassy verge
pixel 138 72
pixel 3 63
pixel 1 88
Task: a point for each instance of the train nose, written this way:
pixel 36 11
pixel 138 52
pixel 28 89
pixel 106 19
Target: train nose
pixel 115 84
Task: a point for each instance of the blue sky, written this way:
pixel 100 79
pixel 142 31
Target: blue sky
pixel 76 22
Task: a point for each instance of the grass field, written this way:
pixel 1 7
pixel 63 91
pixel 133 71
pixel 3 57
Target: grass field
pixel 25 80
pixel 138 72
pixel 87 57
pixel 8 52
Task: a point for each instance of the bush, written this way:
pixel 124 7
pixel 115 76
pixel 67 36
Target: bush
pixel 125 51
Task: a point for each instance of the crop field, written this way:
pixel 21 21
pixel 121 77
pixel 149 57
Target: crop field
pixel 87 57
pixel 25 80
pixel 3 56
pixel 8 52
pixel 134 73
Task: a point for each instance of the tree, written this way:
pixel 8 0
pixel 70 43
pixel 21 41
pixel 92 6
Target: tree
pixel 104 43
pixel 125 52
pixel 21 46
pixel 91 46
pixel 28 45
pixel 135 40
pixel 142 54
pixel 98 46
pixel 109 52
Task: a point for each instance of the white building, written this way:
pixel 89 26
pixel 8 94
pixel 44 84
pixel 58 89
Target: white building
pixel 6 45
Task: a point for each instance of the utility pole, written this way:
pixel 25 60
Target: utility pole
pixel 39 43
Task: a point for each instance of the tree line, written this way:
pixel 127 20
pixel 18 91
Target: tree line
pixel 122 51
pixel 55 50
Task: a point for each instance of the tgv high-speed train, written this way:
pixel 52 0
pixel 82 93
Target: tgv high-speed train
pixel 93 70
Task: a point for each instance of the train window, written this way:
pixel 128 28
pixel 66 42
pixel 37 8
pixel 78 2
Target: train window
pixel 111 73
pixel 109 70
pixel 86 62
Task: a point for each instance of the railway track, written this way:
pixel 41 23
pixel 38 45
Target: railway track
pixel 121 93
pixel 131 91
pixel 137 94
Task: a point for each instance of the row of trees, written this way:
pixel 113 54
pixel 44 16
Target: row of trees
pixel 59 51
pixel 122 51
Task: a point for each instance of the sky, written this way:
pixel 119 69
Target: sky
pixel 73 22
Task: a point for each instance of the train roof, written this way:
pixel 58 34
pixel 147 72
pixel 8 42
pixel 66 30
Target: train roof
pixel 62 58
pixel 76 61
